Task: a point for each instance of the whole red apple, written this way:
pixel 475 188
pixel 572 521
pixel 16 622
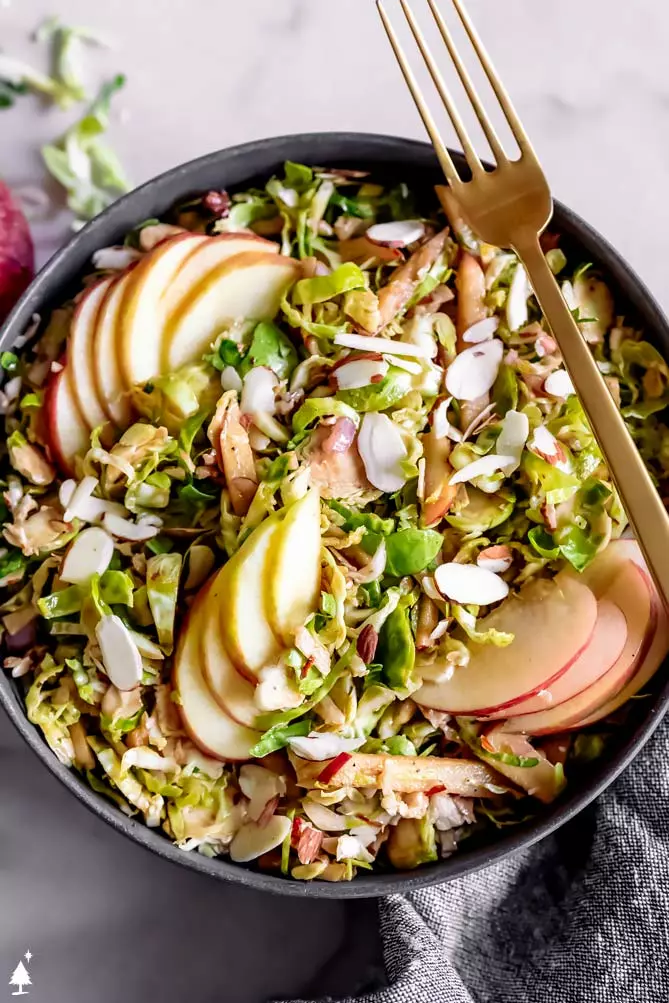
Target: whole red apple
pixel 17 256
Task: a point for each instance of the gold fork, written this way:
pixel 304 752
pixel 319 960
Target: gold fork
pixel 509 207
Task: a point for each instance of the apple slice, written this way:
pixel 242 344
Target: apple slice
pixel 208 725
pixel 106 369
pixel 600 574
pixel 247 635
pixel 603 651
pixel 81 356
pixel 632 592
pixel 210 253
pixel 656 655
pixel 139 323
pixel 232 692
pixel 294 586
pixel 249 285
pixel 552 624
pixel 67 432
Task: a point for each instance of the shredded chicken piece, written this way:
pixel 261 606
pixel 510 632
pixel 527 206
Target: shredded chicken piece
pixel 31 462
pixel 394 297
pixel 402 774
pixel 233 450
pixel 337 473
pixel 38 532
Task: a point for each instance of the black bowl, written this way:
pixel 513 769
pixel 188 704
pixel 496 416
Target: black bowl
pixel 239 167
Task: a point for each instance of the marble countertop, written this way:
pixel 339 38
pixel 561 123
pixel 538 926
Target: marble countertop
pixel 100 916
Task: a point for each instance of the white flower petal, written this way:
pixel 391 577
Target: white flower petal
pixel 467 583
pixel 473 372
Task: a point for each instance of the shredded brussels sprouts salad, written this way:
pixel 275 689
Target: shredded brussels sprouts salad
pixel 310 556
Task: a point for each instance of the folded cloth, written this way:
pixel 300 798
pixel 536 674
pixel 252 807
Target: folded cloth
pixel 582 917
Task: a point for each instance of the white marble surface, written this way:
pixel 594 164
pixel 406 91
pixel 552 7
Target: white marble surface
pixel 102 918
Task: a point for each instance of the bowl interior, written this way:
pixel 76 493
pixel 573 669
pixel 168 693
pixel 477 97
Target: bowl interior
pixel 390 159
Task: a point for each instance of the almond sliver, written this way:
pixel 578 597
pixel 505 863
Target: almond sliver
pixel 467 583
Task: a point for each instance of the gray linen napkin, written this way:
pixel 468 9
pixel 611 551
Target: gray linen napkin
pixel 583 917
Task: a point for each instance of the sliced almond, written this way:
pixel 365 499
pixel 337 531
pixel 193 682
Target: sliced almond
pixel 483 330
pixel 360 373
pixel 467 583
pixel 483 467
pixel 147 759
pixel 387 346
pixel 399 233
pixel 473 372
pixel 441 426
pixel 558 384
pixel 125 529
pixel 517 312
pixel 260 786
pixel 324 818
pixel 258 391
pixel 252 840
pixel 496 559
pixel 230 379
pixel 120 654
pixel 513 436
pixel 115 259
pixel 382 450
pixel 90 553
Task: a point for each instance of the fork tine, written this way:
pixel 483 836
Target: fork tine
pixel 444 156
pixel 468 85
pixel 501 94
pixel 469 151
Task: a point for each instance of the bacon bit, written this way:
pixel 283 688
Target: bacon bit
pixel 306 840
pixel 307 665
pixel 333 767
pixel 218 204
pixel 368 639
pixel 341 437
pixel 394 296
pixel 438 788
pixel 268 812
pixel 549 516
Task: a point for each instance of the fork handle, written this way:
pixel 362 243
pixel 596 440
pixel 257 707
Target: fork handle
pixel 643 505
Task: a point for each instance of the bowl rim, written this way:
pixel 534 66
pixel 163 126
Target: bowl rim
pixel 341 147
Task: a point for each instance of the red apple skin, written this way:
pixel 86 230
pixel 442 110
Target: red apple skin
pixel 581 709
pixel 17 255
pixel 50 426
